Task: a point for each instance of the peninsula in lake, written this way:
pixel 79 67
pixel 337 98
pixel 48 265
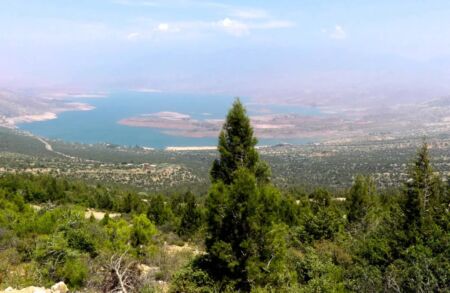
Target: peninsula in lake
pixel 396 120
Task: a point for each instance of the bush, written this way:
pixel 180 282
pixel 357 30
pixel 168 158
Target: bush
pixel 80 240
pixel 143 230
pixel 192 280
pixel 317 272
pixel 74 272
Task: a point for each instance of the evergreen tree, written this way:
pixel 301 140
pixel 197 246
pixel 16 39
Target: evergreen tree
pixel 419 192
pixel 159 211
pixel 237 148
pixel 245 238
pixel 191 217
pixel 359 198
pixel 131 203
pixel 142 230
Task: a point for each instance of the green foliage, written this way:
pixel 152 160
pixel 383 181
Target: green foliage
pixel 45 188
pixel 119 234
pixel 359 199
pixel 131 202
pixel 143 230
pixel 318 273
pixel 323 224
pixel 320 198
pixel 191 215
pixel 192 280
pixel 318 218
pixel 237 148
pixel 257 238
pixel 418 271
pixel 425 208
pixel 418 192
pixel 79 239
pixel 74 271
pixel 364 278
pixel 159 210
pixel 244 240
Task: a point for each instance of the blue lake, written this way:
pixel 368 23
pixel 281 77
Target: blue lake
pixel 100 125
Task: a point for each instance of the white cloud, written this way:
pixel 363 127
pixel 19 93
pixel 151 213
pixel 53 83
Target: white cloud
pixel 237 21
pixel 234 27
pixel 163 27
pixel 240 28
pixel 147 90
pixel 231 26
pixel 132 36
pixel 338 33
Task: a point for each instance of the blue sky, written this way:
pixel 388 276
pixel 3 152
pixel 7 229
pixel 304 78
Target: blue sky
pixel 261 48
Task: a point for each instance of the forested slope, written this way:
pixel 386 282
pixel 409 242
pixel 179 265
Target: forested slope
pixel 244 235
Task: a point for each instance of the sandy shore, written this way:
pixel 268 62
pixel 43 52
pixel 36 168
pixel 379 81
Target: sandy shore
pixel 191 148
pixel 64 95
pixel 31 118
pixel 79 107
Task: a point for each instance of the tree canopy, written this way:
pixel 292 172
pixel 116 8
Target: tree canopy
pixel 237 148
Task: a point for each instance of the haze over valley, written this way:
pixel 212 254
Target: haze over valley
pixel 306 72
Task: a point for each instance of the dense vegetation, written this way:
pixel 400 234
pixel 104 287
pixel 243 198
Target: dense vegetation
pixel 331 165
pixel 250 235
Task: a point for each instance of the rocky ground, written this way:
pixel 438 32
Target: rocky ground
pixel 57 288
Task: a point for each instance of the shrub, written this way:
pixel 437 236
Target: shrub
pixel 192 280
pixel 74 272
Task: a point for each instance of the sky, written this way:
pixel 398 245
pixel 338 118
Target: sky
pixel 284 49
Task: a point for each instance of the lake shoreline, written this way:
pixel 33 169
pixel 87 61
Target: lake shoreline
pixel 15 121
pixel 158 120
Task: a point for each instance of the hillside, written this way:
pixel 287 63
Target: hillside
pixel 327 164
pixel 24 107
pixel 64 216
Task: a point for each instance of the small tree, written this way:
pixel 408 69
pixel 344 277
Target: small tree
pixel 143 230
pixel 191 217
pixel 419 192
pixel 159 211
pixel 427 191
pixel 237 148
pixel 359 198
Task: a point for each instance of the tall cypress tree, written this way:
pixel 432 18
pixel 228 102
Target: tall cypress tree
pixel 245 238
pixel 237 148
pixel 418 192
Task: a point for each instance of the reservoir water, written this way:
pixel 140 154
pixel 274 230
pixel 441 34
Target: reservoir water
pixel 101 124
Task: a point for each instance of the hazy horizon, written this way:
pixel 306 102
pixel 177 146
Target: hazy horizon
pixel 315 51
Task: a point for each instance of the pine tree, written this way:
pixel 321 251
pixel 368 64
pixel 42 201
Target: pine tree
pixel 245 238
pixel 418 192
pixel 191 216
pixel 359 198
pixel 143 230
pixel 237 148
pixel 159 211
